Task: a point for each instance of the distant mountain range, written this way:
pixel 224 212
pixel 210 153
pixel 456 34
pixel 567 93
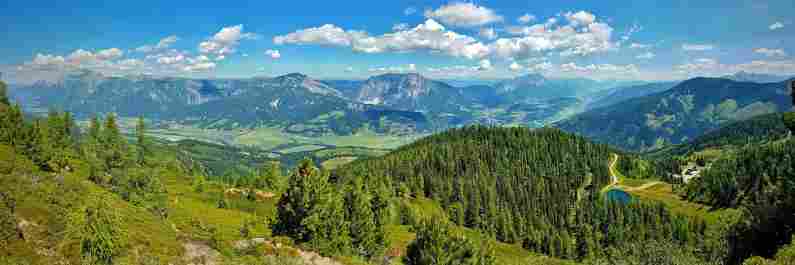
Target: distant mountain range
pixel 389 102
pixel 743 76
pixel 651 113
pixel 619 94
pixel 679 114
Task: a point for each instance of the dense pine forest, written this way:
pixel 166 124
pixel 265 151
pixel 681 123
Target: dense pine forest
pixel 761 180
pixel 540 188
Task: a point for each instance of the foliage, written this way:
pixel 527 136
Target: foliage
pixel 96 227
pixel 438 244
pixel 651 252
pixel 789 121
pixel 759 180
pixel 539 187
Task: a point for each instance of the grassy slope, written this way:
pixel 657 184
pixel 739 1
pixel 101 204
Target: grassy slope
pixel 653 190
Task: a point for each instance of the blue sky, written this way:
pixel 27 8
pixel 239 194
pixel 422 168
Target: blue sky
pixel 440 39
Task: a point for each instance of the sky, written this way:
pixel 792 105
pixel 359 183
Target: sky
pixel 637 40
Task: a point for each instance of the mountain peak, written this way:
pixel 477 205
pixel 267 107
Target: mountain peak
pixel 398 76
pixel 743 76
pixel 298 76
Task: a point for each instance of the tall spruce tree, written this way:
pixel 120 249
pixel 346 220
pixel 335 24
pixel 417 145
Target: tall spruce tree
pixel 142 143
pixel 306 186
pixel 114 144
pixel 4 94
pixel 437 244
pixel 364 231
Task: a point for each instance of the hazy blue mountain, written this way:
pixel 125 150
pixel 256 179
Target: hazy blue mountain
pixel 743 76
pixel 349 88
pixel 684 112
pixel 536 86
pixel 469 82
pixel 624 93
pixel 293 101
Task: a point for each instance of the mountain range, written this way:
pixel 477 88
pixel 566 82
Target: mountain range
pixel 408 102
pixel 679 114
pixel 629 114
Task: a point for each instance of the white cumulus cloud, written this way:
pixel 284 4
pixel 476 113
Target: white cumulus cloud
pixel 429 36
pixel 164 43
pixel 410 11
pixel 225 42
pixel 577 38
pixel 462 14
pixel 488 33
pixel 526 18
pixel 697 47
pixel 636 45
pixel 646 55
pixel 776 26
pixel 771 52
pixel 274 54
pixel 580 18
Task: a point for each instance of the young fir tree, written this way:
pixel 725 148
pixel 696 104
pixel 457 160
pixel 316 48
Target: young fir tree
pixel 142 143
pixel 326 228
pixel 97 229
pixel 4 94
pixel 12 126
pixel 269 177
pixel 306 185
pixel 114 145
pixel 366 236
pixel 95 129
pixel 789 117
pixel 41 148
pixel 438 244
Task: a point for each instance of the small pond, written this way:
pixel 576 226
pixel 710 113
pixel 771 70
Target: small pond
pixel 619 195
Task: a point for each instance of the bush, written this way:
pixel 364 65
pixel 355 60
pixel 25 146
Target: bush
pixel 438 244
pixel 97 228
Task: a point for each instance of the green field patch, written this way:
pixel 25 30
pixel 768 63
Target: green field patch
pixel 337 162
pixel 664 193
pixel 265 137
pixel 301 148
pixel 325 117
pixel 349 151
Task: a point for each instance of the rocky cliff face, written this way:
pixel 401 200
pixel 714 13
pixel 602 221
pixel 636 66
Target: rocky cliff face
pixel 392 89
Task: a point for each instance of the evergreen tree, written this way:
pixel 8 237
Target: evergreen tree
pixel 4 94
pixel 269 177
pixel 142 143
pixel 306 186
pixel 437 244
pixel 114 145
pixel 95 129
pixel 97 228
pixel 366 236
pixel 42 149
pixel 12 126
pixel 326 226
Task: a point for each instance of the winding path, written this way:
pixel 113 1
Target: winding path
pixel 615 181
pixel 613 177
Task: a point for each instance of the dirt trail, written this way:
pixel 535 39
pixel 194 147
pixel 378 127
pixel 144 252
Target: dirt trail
pixel 614 181
pixel 613 175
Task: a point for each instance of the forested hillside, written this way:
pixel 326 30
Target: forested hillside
pixel 680 114
pixel 758 129
pixel 538 187
pixel 760 179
